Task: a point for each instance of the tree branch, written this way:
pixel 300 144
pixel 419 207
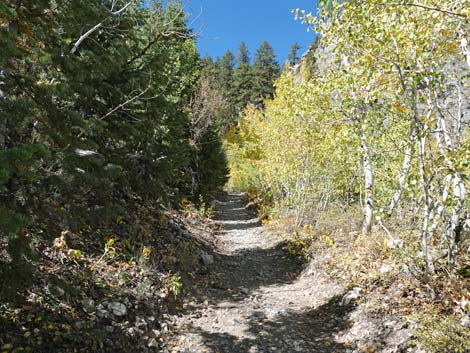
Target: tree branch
pixel 85 36
pixel 99 25
pixel 425 7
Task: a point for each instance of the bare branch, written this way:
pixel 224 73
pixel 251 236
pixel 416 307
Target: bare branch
pixel 179 34
pixel 123 104
pixel 85 36
pixel 194 20
pixel 115 13
pixel 99 25
pixel 425 7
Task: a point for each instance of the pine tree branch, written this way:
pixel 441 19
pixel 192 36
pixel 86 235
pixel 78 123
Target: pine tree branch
pixel 167 33
pixel 129 101
pixel 116 108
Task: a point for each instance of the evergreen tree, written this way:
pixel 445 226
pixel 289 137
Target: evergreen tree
pixel 242 86
pixel 265 71
pixel 226 66
pixel 22 153
pixel 293 56
pixel 88 119
pixel 243 54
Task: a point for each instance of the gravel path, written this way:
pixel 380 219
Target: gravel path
pixel 260 298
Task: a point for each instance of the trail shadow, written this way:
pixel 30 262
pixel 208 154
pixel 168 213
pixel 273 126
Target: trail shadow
pixel 310 331
pixel 252 268
pixel 237 275
pixel 251 223
pixel 15 278
pixel 233 214
pixel 242 276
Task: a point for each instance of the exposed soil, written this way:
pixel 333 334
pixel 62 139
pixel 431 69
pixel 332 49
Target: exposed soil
pixel 260 298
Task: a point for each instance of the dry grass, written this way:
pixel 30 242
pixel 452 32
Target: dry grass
pixel 391 276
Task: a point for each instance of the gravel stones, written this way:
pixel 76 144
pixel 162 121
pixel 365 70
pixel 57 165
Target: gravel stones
pixel 260 299
pixel 351 296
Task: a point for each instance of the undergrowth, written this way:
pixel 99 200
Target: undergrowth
pixel 142 261
pixel 387 266
pixel 439 333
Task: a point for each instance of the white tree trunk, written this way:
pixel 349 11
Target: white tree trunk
pixel 458 123
pixel 427 203
pixel 368 186
pixel 459 194
pixel 465 50
pixel 454 180
pixel 404 171
pixel 2 122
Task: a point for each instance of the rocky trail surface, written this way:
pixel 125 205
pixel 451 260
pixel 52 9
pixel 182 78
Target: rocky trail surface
pixel 262 299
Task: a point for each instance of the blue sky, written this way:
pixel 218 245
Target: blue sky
pixel 225 23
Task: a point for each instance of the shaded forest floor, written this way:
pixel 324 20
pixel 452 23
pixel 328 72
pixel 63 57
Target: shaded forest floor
pixel 259 297
pixel 110 289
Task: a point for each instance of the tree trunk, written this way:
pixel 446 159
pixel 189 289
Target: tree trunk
pixel 454 180
pixel 458 123
pixel 427 204
pixel 368 186
pixel 2 134
pixel 404 171
pixel 465 50
pixel 2 122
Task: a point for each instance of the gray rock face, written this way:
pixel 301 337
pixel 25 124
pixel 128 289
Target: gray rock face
pixel 207 259
pixel 455 97
pixel 152 343
pixel 118 309
pixel 244 290
pixel 101 311
pixel 140 322
pixel 385 269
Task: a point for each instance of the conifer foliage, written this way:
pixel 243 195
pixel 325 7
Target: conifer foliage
pixel 242 86
pixel 293 56
pixel 265 71
pixel 244 81
pixel 94 107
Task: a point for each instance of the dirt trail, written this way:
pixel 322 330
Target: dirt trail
pixel 262 298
